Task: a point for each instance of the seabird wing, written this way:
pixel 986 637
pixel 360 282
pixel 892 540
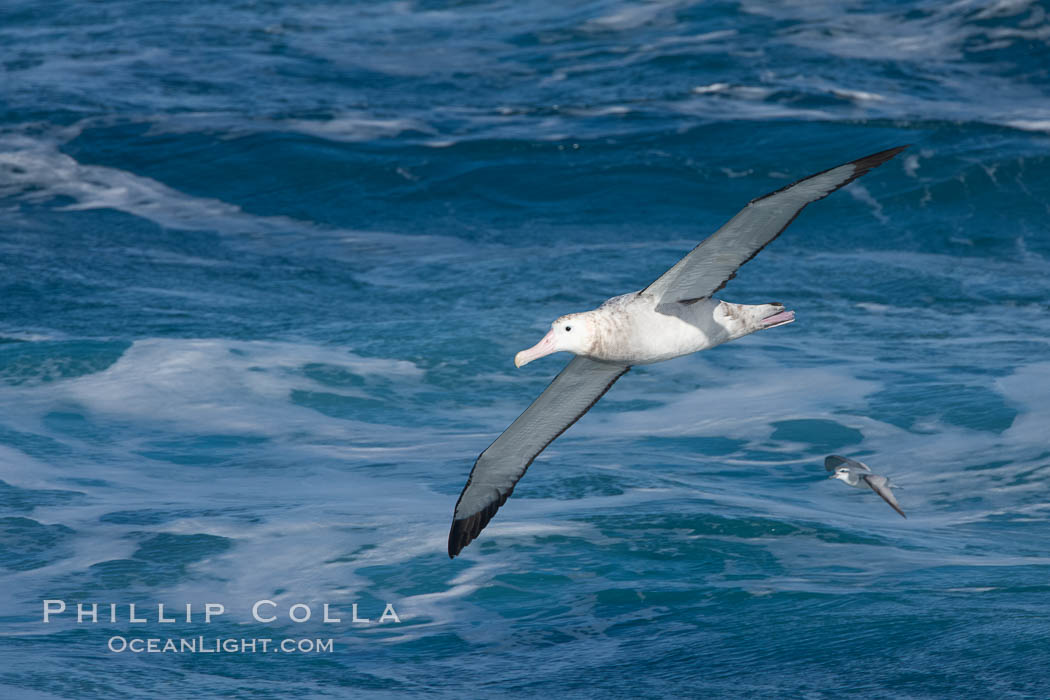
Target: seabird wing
pixel 497 470
pixel 833 462
pixel 709 266
pixel 880 485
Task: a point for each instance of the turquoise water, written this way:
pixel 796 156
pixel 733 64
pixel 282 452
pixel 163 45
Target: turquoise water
pixel 264 268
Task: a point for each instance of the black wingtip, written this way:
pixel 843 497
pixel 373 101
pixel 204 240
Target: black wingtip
pixel 866 163
pixel 861 167
pixel 458 537
pixel 464 530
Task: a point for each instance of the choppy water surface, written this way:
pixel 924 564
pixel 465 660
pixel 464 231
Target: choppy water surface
pixel 264 266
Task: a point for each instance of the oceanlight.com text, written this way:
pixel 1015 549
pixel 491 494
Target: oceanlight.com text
pixel 218 645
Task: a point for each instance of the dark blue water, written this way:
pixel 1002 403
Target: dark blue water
pixel 264 267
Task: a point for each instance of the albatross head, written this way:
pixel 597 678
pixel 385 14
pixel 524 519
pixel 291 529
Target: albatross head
pixel 570 333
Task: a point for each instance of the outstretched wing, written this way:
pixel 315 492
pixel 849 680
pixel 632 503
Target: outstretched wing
pixel 709 266
pixel 833 462
pixel 881 486
pixel 497 470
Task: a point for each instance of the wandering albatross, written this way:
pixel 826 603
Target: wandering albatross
pixel 674 316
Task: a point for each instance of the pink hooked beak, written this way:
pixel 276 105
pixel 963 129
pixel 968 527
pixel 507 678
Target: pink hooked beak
pixel 544 347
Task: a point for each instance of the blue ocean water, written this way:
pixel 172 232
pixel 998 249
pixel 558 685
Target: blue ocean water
pixel 264 267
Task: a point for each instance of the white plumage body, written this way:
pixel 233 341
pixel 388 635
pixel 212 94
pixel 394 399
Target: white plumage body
pixel 637 329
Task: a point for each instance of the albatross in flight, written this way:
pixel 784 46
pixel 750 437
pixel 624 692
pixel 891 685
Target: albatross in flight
pixel 675 315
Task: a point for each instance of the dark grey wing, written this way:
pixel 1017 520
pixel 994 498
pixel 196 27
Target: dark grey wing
pixel 715 261
pixel 881 486
pixel 833 462
pixel 497 470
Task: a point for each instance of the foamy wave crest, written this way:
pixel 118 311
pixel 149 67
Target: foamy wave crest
pixel 225 385
pixel 34 169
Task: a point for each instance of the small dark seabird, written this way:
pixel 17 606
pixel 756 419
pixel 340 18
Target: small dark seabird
pixel 859 475
pixel 675 315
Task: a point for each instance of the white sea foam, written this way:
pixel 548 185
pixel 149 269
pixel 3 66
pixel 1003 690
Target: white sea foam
pixel 745 92
pixel 1030 124
pixel 712 88
pixel 858 95
pixel 352 128
pixel 34 169
pixel 745 406
pixel 29 336
pixel 1027 388
pixel 23 471
pixel 630 17
pixel 192 382
pixel 911 165
pixel 861 194
pixel 327 522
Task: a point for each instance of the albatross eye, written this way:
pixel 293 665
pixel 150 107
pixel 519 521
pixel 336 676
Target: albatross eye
pixel 568 328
